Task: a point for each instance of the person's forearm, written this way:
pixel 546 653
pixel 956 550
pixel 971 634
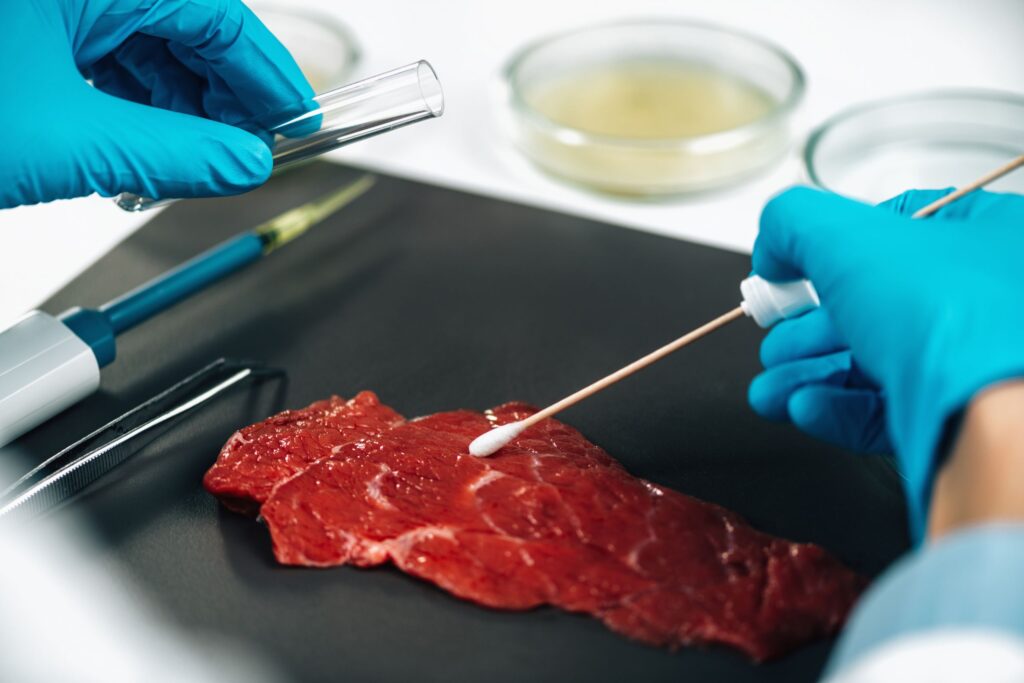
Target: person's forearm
pixel 983 479
pixel 966 580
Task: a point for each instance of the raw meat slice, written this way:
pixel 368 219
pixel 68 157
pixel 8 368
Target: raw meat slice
pixel 259 457
pixel 553 519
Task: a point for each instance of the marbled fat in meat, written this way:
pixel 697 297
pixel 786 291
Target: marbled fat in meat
pixel 259 457
pixel 553 519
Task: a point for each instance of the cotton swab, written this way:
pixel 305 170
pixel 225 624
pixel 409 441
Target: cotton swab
pixel 491 441
pixel 765 302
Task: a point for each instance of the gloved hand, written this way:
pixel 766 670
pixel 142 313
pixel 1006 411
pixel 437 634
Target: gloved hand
pixel 811 378
pixel 166 74
pixel 917 316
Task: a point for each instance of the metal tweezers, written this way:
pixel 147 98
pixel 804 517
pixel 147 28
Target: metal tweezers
pixel 62 475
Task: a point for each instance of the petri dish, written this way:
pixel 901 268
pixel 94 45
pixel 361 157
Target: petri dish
pixel 929 140
pixel 323 47
pixel 652 107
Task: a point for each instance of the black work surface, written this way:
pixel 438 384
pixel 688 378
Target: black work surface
pixel 438 300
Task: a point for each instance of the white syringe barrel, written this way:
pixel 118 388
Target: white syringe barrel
pixel 44 368
pixel 769 302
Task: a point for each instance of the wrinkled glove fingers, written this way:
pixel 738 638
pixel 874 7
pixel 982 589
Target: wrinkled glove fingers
pixel 236 45
pixel 852 418
pixel 221 102
pixel 107 75
pixel 225 34
pixel 170 85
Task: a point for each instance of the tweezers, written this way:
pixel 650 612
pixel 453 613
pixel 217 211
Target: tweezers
pixel 62 475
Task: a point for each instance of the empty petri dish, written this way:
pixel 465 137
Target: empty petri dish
pixel 322 46
pixel 652 107
pixel 929 140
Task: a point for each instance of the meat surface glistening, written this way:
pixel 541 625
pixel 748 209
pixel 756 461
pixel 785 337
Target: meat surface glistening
pixel 260 456
pixel 550 519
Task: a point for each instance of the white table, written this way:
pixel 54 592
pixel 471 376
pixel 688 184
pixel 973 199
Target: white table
pixel 851 52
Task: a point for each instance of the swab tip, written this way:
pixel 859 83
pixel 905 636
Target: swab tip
pixel 492 441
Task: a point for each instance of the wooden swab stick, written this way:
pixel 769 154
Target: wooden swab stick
pixel 967 189
pixel 489 442
pixel 636 365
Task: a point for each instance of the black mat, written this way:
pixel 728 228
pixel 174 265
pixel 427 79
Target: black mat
pixel 438 300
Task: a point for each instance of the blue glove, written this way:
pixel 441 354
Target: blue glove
pixel 811 378
pixel 165 75
pixel 917 316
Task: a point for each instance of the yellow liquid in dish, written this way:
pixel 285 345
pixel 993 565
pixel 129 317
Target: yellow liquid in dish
pixel 648 122
pixel 650 100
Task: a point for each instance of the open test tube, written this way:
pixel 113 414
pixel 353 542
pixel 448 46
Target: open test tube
pixel 352 112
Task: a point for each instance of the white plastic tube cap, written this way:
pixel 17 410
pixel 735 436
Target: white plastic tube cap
pixel 769 302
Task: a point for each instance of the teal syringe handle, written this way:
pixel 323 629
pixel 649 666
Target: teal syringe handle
pixel 160 293
pixel 98 327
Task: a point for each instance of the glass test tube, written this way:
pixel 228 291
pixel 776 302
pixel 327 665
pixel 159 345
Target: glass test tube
pixel 352 112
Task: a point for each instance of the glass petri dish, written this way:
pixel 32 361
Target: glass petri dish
pixel 929 140
pixel 323 47
pixel 652 107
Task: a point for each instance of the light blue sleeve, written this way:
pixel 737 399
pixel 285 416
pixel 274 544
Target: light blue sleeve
pixel 972 578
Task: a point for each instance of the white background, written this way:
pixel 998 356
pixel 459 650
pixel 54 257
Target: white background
pixel 851 51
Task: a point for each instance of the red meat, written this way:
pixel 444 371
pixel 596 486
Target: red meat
pixel 258 457
pixel 553 519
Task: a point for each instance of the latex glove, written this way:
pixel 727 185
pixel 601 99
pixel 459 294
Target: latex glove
pixel 166 73
pixel 929 311
pixel 811 378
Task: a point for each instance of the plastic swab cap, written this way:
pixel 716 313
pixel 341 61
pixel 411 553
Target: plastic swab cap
pixel 769 302
pixel 491 442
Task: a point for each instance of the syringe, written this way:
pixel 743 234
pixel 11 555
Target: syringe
pixel 309 128
pixel 50 363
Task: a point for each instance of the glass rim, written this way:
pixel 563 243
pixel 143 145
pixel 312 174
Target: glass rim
pixel 717 140
pixel 430 86
pixel 816 137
